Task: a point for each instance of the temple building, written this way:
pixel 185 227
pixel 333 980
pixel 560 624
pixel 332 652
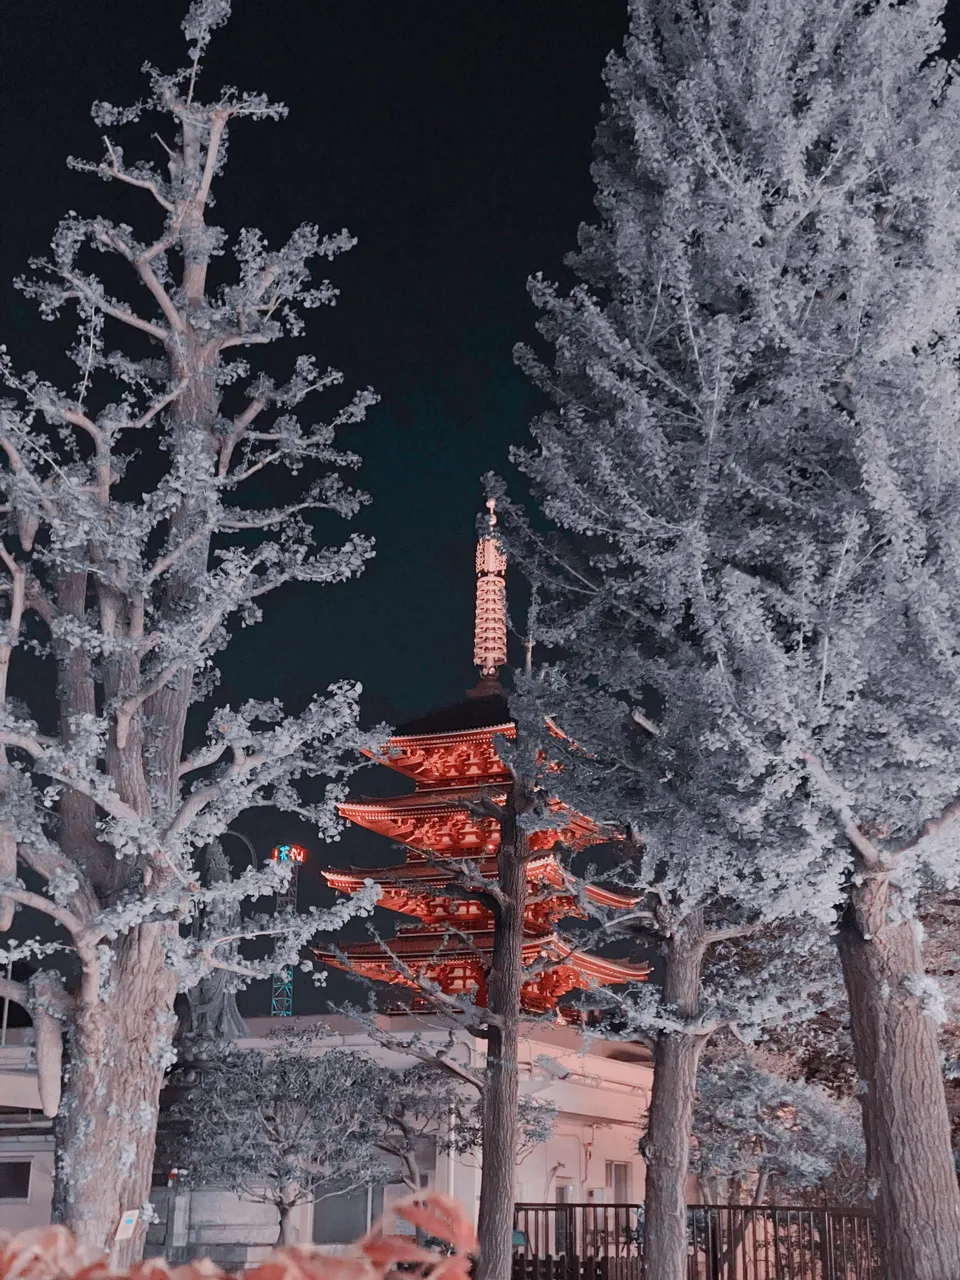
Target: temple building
pixel 451 758
pixel 590 1166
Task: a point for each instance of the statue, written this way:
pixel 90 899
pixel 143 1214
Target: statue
pixel 212 1014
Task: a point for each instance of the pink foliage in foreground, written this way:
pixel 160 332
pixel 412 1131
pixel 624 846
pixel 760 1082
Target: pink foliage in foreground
pixel 51 1253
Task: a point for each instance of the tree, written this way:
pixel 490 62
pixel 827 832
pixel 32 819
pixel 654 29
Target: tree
pixel 733 958
pixel 722 908
pixel 752 446
pixel 211 1014
pixel 497 1020
pixel 753 1127
pixel 500 1122
pixel 284 1127
pixel 501 1020
pixel 492 1005
pixel 306 1119
pixel 939 919
pixel 426 1104
pixel 421 1105
pixel 132 546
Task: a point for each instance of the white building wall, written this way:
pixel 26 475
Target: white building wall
pixel 25 1137
pixel 600 1099
pixel 34 1210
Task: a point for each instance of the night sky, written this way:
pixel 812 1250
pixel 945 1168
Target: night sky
pixel 452 137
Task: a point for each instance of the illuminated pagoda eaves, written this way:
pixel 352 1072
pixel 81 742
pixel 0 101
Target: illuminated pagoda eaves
pixel 451 758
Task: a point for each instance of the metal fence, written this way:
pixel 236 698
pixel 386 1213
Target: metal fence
pixel 724 1242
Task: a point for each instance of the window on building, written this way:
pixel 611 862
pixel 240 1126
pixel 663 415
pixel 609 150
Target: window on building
pixel 563 1218
pixel 393 1193
pixel 618 1192
pixel 342 1218
pixel 15 1179
pixel 618 1181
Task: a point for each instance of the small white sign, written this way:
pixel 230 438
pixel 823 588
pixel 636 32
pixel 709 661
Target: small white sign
pixel 127 1224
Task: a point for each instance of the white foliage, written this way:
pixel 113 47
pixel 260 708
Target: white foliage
pixel 132 547
pixel 930 994
pixel 753 457
pixel 749 1121
pixel 308 1114
pixel 202 17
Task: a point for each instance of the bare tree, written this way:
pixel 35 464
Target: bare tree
pixel 130 550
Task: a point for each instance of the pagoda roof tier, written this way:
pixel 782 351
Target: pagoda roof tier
pixel 458 965
pixel 487 711
pixel 436 910
pixel 421 881
pixel 458 757
pixel 440 822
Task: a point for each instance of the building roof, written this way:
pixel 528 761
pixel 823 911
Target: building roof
pixel 419 947
pixel 444 822
pixel 486 711
pixel 422 875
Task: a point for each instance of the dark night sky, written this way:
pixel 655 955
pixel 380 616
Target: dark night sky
pixel 453 138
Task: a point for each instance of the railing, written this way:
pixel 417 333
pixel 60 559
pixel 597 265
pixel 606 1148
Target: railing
pixel 724 1242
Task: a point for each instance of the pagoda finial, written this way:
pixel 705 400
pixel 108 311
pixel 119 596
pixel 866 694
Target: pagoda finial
pixel 490 634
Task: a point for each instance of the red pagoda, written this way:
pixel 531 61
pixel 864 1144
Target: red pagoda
pixel 452 759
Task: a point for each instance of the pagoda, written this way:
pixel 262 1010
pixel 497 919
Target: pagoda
pixel 452 760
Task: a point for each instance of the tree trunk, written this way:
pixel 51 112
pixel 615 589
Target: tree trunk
pixel 906 1127
pixel 501 1085
pixel 667 1144
pixel 288 1234
pixel 119 1049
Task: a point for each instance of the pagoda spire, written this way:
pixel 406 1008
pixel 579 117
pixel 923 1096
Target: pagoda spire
pixel 490 628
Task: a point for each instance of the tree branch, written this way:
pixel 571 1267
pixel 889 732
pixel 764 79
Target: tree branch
pixel 141 264
pixel 159 405
pixel 72 923
pixel 130 706
pixel 15 991
pixel 429 1057
pixel 455 1069
pixel 170 558
pixel 734 931
pixel 201 759
pixel 837 802
pixel 78 419
pixel 465 888
pixel 194 804
pixel 145 184
pixel 948 816
pixel 218 124
pixel 479 806
pixel 123 314
pixel 108 801
pixel 47 860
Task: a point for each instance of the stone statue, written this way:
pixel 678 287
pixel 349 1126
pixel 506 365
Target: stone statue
pixel 212 1013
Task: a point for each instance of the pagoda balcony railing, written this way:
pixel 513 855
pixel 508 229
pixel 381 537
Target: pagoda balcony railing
pixel 724 1242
